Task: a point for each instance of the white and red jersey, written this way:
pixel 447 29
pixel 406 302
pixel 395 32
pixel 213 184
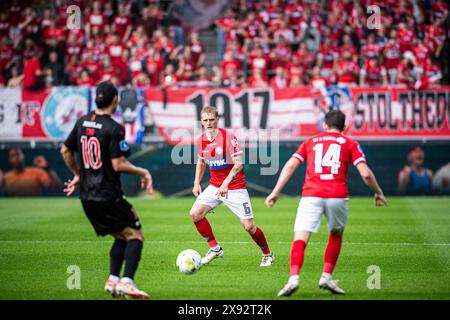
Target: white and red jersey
pixel 122 23
pixel 391 54
pixel 328 157
pixel 218 154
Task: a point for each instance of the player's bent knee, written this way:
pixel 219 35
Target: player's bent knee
pixel 130 233
pixel 250 227
pixel 337 231
pixel 196 215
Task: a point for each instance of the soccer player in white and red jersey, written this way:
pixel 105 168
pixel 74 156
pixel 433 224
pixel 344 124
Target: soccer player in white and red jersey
pixel 220 150
pixel 325 190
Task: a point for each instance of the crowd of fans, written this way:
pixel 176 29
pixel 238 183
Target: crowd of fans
pixel 125 42
pixel 311 42
pixel 278 43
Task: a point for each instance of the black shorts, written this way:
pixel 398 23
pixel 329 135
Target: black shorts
pixel 111 217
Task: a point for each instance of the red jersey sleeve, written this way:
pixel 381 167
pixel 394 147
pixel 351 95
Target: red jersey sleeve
pixel 300 154
pixel 357 154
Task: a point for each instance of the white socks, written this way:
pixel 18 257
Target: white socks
pixel 293 280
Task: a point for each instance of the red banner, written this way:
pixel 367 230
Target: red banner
pixel 378 113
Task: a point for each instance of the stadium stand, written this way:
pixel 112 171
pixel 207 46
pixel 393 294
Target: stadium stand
pixel 277 43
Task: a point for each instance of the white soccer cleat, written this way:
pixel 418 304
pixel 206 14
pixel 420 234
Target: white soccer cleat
pixel 128 289
pixel 331 285
pixel 110 287
pixel 211 255
pixel 288 289
pixel 267 260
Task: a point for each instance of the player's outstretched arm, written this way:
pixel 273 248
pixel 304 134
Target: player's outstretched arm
pixel 285 175
pixel 199 172
pixel 121 164
pixel 371 181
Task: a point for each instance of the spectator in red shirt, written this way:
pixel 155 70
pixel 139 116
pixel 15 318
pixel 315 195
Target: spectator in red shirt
pixel 53 32
pixel 306 56
pixel 154 66
pixel 85 79
pixel 372 73
pixel 73 70
pixel 370 49
pixel 405 72
pixel 295 67
pixel 231 78
pixel 421 51
pixel 327 57
pixel 260 61
pixel 392 55
pixel 405 37
pixel 257 80
pixel 281 54
pixel 73 48
pixel 197 49
pixel 107 71
pixel 122 24
pixel 347 70
pixel 279 81
pixel 169 77
pixel 34 79
pixel 96 19
pixel 186 65
pixel 115 49
pixel 347 46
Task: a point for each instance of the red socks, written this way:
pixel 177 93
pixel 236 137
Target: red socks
pixel 332 252
pixel 297 255
pixel 260 240
pixel 204 228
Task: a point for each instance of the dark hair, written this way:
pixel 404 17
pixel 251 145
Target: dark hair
pixel 335 119
pixel 414 147
pixel 105 94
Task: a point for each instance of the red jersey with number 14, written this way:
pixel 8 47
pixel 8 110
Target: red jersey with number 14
pixel 218 154
pixel 328 156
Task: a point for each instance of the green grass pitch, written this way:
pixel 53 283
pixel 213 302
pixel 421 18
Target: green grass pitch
pixel 409 241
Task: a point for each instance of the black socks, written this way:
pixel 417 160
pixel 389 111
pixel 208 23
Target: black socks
pixel 117 254
pixel 132 256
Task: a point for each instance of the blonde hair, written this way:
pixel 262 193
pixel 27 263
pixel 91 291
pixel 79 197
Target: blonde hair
pixel 209 109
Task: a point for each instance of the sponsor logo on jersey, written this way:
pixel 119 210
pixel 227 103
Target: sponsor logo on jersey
pixel 124 145
pixel 340 140
pixel 92 124
pixel 217 163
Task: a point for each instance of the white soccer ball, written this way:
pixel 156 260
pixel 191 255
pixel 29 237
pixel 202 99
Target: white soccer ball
pixel 189 261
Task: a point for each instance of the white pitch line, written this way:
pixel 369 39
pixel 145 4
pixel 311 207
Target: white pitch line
pixel 228 242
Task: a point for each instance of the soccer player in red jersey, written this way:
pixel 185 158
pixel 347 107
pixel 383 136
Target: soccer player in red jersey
pixel 220 150
pixel 325 190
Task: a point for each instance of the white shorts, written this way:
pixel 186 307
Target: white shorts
pixel 238 201
pixel 310 211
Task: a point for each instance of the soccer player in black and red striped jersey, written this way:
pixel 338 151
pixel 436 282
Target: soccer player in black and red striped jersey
pixel 99 143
